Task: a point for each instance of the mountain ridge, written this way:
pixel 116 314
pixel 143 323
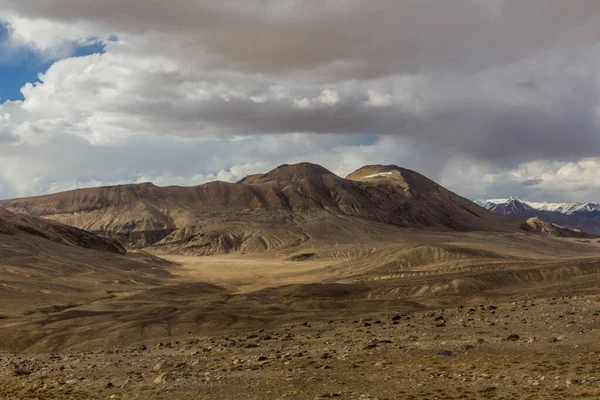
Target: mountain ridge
pixel 286 206
pixel 576 215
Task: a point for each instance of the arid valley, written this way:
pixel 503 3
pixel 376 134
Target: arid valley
pixel 299 285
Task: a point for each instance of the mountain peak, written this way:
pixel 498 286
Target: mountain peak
pixel 288 173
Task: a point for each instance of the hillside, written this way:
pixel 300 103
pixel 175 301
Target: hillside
pixel 286 207
pixel 47 267
pixel 21 230
pixel 538 225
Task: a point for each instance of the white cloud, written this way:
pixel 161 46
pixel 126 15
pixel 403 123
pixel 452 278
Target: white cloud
pixel 376 99
pixel 327 97
pixel 215 90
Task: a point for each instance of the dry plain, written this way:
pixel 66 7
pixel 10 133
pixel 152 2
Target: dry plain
pixel 433 315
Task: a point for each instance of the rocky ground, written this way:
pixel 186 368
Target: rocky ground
pixel 534 349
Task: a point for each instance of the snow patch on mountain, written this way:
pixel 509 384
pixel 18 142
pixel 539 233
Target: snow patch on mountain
pixel 377 175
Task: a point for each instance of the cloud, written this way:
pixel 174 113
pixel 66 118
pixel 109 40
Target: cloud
pixel 318 39
pixel 532 182
pixel 464 91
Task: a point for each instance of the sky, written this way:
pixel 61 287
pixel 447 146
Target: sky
pixel 490 98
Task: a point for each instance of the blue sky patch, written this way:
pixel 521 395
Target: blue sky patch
pixel 19 65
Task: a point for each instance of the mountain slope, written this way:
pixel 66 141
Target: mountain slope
pixel 21 229
pixel 579 216
pixel 286 207
pixel 46 266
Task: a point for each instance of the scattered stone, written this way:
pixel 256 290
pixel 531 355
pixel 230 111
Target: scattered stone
pixel 444 353
pixel 513 337
pixel 163 378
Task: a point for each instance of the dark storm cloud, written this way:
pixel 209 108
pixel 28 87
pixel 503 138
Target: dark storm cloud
pixel 557 120
pixel 341 39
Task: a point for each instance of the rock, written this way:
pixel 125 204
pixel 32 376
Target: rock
pixel 571 381
pixel 142 347
pixel 531 340
pixel 163 378
pixel 22 372
pixel 444 353
pixel 396 318
pixel 512 338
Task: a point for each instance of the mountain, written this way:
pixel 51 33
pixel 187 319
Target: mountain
pixel 286 207
pixel 577 216
pixel 538 225
pixel 511 207
pixel 563 208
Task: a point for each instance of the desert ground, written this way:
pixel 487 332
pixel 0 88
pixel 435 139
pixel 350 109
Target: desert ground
pixel 421 315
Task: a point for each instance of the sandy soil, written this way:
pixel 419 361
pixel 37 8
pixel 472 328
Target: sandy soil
pixel 422 316
pixel 535 349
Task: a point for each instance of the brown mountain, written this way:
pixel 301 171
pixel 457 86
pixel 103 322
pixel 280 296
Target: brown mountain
pixel 288 206
pixel 538 225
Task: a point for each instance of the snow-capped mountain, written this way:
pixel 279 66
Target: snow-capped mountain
pixel 506 207
pixel 563 208
pixel 583 216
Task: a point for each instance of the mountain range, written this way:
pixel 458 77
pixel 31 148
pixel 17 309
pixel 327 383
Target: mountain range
pixel 283 208
pixel 580 216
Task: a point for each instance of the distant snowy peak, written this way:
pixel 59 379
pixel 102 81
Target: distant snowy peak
pixel 563 208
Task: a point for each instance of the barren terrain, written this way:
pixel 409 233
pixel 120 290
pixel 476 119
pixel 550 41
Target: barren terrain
pixel 423 315
pixel 295 284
